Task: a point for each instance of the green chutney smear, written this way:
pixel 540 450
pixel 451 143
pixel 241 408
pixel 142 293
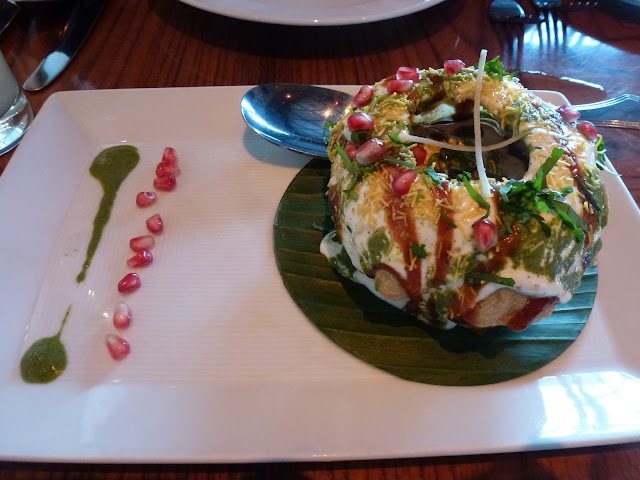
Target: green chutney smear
pixel 110 168
pixel 46 359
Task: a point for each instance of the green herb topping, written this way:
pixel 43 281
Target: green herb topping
pixel 393 135
pixel 495 69
pixel 446 218
pixel 327 126
pixel 522 201
pixel 419 251
pixel 488 277
pixel 465 177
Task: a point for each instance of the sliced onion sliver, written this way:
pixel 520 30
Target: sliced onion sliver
pixel 482 174
pixel 405 137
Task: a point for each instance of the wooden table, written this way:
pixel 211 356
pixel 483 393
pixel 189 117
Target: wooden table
pixel 589 55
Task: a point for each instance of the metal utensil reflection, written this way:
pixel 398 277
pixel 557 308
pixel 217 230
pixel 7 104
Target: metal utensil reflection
pixel 293 116
pixel 511 11
pixel 622 111
pixel 8 11
pixel 561 5
pixel 84 15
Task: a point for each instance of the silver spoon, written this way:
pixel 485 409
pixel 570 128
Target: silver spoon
pixel 512 12
pixel 294 116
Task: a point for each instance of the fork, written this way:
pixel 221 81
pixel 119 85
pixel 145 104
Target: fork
pixel 560 5
pixel 625 108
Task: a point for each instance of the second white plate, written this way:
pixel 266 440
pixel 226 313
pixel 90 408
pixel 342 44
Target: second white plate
pixel 313 12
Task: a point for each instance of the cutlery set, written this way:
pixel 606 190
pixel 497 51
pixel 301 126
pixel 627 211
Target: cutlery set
pixel 511 11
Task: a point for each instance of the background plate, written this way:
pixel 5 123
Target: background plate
pixel 224 366
pixel 313 12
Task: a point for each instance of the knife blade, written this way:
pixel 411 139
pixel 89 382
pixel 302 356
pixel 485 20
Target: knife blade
pixel 8 11
pixel 83 17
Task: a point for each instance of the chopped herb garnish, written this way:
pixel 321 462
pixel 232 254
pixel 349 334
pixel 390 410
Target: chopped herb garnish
pixel 446 218
pixel 419 251
pixel 400 162
pixel 484 113
pixel 488 277
pixel 393 135
pixel 432 174
pixel 327 126
pixel 474 193
pixel 602 157
pixel 566 190
pixel 540 181
pixel 569 217
pixel 522 201
pixel 351 168
pixel 495 69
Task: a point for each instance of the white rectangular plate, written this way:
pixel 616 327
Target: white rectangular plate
pixel 223 366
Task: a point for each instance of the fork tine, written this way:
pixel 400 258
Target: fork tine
pixel 608 102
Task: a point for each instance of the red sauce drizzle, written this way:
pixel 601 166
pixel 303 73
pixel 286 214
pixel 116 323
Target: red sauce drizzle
pixel 402 225
pixel 534 306
pixel 444 240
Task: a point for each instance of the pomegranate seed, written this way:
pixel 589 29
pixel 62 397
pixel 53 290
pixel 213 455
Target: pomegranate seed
pixel 403 181
pixel 140 259
pixel 399 86
pixel 144 199
pixel 452 67
pixel 485 234
pixel 165 183
pixel 589 130
pixel 420 154
pixel 129 283
pixel 568 113
pixel 145 242
pixel 408 73
pixel 154 223
pixel 169 156
pixel 363 97
pixel 164 169
pixel 360 121
pixel 122 316
pixel 370 151
pixel 118 346
pixel 351 150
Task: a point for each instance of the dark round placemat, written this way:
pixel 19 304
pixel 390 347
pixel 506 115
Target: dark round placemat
pixel 388 338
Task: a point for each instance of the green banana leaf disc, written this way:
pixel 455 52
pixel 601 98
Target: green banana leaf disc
pixel 388 338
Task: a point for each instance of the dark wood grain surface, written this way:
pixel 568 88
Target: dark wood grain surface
pixel 587 54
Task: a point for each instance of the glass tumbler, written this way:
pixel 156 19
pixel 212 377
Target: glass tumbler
pixel 15 112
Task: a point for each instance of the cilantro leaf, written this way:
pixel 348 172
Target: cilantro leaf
pixel 393 135
pixel 474 193
pixel 399 162
pixel 446 218
pixel 419 251
pixel 488 277
pixel 327 126
pixel 351 168
pixel 540 181
pixel 432 174
pixel 569 217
